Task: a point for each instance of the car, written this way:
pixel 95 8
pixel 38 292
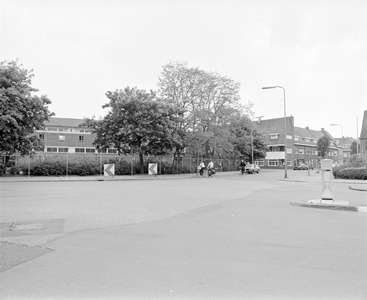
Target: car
pixel 301 167
pixel 252 168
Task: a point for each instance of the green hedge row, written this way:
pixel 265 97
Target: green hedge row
pixel 352 173
pixel 88 167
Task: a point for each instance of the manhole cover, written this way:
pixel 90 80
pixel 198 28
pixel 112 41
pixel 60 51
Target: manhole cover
pixel 21 227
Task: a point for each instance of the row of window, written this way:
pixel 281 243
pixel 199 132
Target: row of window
pixel 80 150
pixel 61 137
pixel 274 136
pixel 55 129
pixel 271 163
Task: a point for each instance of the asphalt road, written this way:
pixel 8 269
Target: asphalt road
pixel 228 237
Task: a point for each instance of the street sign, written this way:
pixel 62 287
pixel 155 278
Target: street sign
pixel 152 168
pixel 109 169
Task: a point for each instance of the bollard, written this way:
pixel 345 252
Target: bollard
pixel 326 188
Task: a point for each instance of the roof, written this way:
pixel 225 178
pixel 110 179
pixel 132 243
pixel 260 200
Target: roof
pixel 364 126
pixel 275 126
pixel 63 122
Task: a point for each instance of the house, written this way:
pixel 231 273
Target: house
pixel 65 135
pixel 344 144
pixel 301 143
pixel 363 136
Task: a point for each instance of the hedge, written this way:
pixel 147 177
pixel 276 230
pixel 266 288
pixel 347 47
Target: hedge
pixel 352 173
pixel 84 167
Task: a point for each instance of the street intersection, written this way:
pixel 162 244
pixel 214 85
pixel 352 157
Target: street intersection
pixel 182 237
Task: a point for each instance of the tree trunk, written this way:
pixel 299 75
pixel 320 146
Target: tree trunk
pixel 141 163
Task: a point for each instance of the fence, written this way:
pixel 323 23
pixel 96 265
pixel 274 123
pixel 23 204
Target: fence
pixel 92 164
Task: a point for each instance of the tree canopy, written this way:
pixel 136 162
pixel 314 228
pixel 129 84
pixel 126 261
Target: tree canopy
pixel 209 103
pixel 21 112
pixel 138 122
pixel 322 145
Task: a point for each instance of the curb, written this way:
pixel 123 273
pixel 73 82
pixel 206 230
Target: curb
pixel 332 207
pixel 357 189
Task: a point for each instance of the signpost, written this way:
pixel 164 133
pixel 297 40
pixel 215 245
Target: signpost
pixel 152 169
pixel 327 189
pixel 109 170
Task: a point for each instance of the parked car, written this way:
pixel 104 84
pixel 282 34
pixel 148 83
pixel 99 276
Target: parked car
pixel 302 167
pixel 252 168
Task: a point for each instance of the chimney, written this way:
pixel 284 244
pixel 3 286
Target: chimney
pixel 307 128
pixel 322 129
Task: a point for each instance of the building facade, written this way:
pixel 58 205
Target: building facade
pixel 344 144
pixel 66 135
pixel 301 144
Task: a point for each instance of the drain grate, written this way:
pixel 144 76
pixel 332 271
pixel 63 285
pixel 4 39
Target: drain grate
pixel 22 227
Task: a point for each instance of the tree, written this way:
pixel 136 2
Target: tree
pixel 207 101
pixel 354 147
pixel 242 142
pixel 21 112
pixel 322 145
pixel 137 123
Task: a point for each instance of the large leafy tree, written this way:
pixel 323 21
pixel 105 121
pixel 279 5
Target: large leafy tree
pixel 138 122
pixel 208 102
pixel 322 145
pixel 241 139
pixel 21 112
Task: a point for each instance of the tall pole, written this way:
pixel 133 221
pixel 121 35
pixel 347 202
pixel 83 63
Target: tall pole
pixel 252 141
pixel 285 128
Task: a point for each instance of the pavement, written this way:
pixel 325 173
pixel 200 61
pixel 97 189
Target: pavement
pixel 359 185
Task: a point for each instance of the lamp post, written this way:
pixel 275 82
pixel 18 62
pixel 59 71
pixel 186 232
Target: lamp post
pixel 285 127
pixel 252 140
pixel 338 125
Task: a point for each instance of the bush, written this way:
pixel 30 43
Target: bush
pixel 337 169
pixel 353 173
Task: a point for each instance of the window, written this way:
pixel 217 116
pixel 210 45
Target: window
pixel 296 138
pixel 314 141
pixel 41 136
pixel 63 149
pixel 272 162
pixel 289 163
pixel 289 137
pixel 289 150
pixel 81 138
pixel 79 150
pixel 60 129
pixel 274 136
pixel 306 140
pixel 88 150
pixel 260 163
pixel 111 151
pixel 301 151
pixel 345 154
pixel 62 138
pixel 51 149
pixel 312 152
pixel 296 151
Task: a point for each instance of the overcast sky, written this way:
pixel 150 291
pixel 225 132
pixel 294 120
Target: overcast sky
pixel 80 49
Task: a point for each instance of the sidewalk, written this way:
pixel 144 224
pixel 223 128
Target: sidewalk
pixel 355 184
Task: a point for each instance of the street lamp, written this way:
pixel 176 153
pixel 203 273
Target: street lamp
pixel 252 140
pixel 285 128
pixel 338 125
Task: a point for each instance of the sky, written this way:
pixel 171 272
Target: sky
pixel 80 49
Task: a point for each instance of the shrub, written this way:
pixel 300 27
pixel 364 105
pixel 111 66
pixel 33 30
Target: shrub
pixel 353 173
pixel 337 169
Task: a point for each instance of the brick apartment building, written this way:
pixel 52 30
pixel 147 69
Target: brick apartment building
pixel 300 143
